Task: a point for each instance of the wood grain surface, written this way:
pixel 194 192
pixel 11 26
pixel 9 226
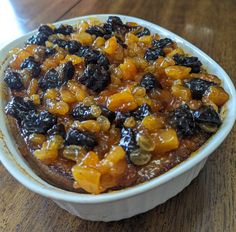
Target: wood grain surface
pixel 208 204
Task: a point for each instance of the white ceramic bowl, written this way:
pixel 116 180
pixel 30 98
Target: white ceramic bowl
pixel 131 201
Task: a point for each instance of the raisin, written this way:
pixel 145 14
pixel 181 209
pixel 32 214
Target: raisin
pixel 115 24
pixel 182 120
pixel 13 80
pixel 85 139
pixel 143 111
pixel 95 77
pixel 58 129
pixel 60 42
pixel 128 140
pixel 55 79
pixel 96 30
pixel 50 52
pixel 198 87
pixel 143 32
pixel 31 65
pixel 207 115
pixel 191 62
pixel 18 107
pixel 162 42
pixel 73 46
pixel 82 112
pixel 64 29
pixel 39 38
pixel 107 113
pixel 46 30
pixel 50 80
pixel 37 122
pixel 120 118
pixel 153 53
pixel 149 82
pixel 93 57
pixel 67 71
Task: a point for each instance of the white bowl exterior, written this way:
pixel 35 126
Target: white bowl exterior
pixel 131 201
pixel 128 207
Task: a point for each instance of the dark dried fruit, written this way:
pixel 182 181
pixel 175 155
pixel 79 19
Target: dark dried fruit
pixel 37 122
pixel 198 87
pixel 107 113
pixel 153 53
pixel 182 120
pixel 39 38
pixel 13 80
pixel 162 42
pixel 32 66
pixel 50 80
pixel 18 108
pixel 115 24
pixel 95 77
pixel 207 115
pixel 85 139
pixel 58 129
pixel 46 30
pixel 96 30
pixel 49 52
pixel 60 42
pixel 128 140
pixel 55 79
pixel 143 32
pixel 191 62
pixel 149 82
pixel 73 46
pixel 120 118
pixel 66 72
pixel 93 57
pixel 64 29
pixel 82 112
pixel 143 111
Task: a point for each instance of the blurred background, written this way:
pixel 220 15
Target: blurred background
pixel 208 204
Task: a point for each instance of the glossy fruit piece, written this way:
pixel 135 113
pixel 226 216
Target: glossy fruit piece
pixel 111 45
pixel 128 69
pixel 153 123
pixel 123 101
pixel 58 107
pixel 217 95
pixel 87 178
pixel 90 160
pixel 166 140
pixel 181 92
pixel 177 72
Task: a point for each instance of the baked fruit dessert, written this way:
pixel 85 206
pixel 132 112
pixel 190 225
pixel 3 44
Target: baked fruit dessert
pixel 101 106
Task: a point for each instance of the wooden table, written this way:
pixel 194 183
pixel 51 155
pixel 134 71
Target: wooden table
pixel 209 203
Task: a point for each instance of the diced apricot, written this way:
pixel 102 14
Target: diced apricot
pixel 176 51
pixel 99 42
pixel 177 72
pixel 18 59
pixel 128 69
pixel 166 140
pixel 116 154
pixel 123 101
pixel 111 45
pixel 87 178
pixel 153 123
pixel 74 59
pixel 181 92
pixel 217 95
pixel 90 160
pixel 83 37
pixel 130 38
pixel 147 39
